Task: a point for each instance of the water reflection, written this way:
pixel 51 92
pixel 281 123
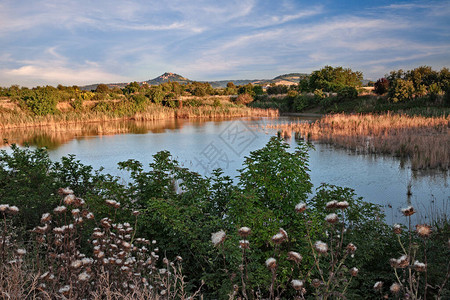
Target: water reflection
pixel 52 137
pixel 378 179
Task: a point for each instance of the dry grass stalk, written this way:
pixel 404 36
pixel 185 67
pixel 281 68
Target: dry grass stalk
pixel 425 141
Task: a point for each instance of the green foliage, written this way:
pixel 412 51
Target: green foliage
pixel 41 101
pixel 277 89
pixel 131 88
pixel 194 102
pixel 333 79
pixel 347 93
pixel 102 88
pixel 77 104
pixel 247 89
pixel 401 90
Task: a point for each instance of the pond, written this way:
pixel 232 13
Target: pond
pixel 202 145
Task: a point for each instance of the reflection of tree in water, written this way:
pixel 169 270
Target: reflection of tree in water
pixel 53 137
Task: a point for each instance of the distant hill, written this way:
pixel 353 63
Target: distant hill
pixel 287 79
pixel 166 77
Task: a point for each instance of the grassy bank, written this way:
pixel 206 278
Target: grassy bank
pixel 424 141
pixel 13 116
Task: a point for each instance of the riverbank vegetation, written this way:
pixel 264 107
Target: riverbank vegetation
pixel 421 91
pixel 425 142
pixel 170 233
pixel 48 106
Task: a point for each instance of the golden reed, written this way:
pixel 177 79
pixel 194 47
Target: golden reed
pixel 425 141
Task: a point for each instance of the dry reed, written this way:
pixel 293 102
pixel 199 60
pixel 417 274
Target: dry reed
pixel 16 118
pixel 425 141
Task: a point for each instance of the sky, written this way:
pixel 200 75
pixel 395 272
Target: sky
pixel 80 42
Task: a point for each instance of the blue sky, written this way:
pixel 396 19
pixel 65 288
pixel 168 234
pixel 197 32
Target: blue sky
pixel 81 42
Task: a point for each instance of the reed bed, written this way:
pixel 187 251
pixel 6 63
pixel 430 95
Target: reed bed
pixel 14 118
pixel 424 141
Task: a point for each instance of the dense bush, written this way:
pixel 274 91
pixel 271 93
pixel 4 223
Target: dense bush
pixel 180 209
pixel 244 99
pixel 381 86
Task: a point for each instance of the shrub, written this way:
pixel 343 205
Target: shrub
pixel 401 90
pixel 41 101
pixel 244 99
pixel 381 86
pixel 347 93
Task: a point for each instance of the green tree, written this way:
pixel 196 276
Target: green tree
pixel 42 100
pixel 401 90
pixel 333 79
pixel 102 88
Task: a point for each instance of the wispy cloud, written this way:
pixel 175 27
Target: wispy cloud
pixel 64 41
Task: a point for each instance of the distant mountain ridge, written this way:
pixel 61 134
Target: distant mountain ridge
pixel 291 78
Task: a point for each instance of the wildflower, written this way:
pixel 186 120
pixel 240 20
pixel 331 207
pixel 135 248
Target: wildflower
pixel 90 216
pixel 321 247
pixel 217 237
pixel 44 276
pixel 65 191
pixel 395 288
pixel 331 218
pixel 126 245
pixel 271 263
pixel 112 203
pixel 79 202
pixel 354 271
pixel 244 244
pixel 342 204
pixel 301 207
pixel 179 258
pixel 76 264
pixel 351 248
pixel 58 230
pixel 46 218
pixel 87 261
pixel 284 233
pixel 316 283
pixel 278 238
pixel 124 269
pixel 403 261
pixel 331 204
pixel 244 231
pixel 423 230
pixel 106 222
pixel 60 209
pixel 13 210
pixel 4 207
pixel 378 285
pixel 75 212
pixel 419 267
pixel 294 256
pixel 21 252
pixel 393 263
pixel 64 290
pixel 69 199
pixel 397 228
pixel 409 211
pixel 136 213
pixel 297 284
pixel 84 276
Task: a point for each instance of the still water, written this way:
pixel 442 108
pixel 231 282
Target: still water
pixel 205 145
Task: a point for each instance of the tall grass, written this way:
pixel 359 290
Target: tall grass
pixel 424 141
pixel 14 118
